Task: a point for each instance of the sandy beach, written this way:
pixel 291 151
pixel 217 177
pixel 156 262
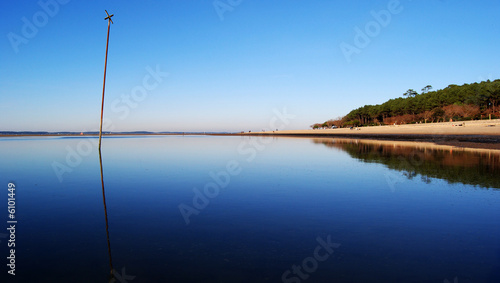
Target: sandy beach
pixel 472 134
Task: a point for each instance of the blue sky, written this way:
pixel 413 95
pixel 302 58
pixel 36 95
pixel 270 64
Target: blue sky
pixel 231 63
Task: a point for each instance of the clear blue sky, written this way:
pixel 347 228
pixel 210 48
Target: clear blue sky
pixel 230 64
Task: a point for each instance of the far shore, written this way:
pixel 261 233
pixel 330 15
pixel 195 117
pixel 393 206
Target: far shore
pixel 481 134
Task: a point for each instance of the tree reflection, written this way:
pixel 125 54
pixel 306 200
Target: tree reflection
pixel 478 168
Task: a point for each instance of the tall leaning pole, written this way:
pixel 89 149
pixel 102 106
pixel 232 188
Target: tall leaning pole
pixel 110 21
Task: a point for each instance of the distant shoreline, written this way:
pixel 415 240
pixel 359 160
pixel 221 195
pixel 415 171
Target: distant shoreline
pixel 483 134
pixel 111 134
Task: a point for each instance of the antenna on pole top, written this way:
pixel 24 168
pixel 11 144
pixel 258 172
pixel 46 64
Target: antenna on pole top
pixel 110 21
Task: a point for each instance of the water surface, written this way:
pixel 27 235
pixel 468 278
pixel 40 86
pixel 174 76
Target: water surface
pixel 249 209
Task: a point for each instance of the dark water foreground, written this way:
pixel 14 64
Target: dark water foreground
pixel 248 209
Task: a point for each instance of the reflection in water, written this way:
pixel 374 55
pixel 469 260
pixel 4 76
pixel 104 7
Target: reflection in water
pixel 111 279
pixel 478 168
pixel 266 221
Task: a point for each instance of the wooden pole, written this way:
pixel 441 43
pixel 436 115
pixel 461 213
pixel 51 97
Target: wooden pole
pixel 104 81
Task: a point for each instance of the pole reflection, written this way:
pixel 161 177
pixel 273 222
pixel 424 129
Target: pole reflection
pixel 111 274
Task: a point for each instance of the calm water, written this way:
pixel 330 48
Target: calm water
pixel 233 209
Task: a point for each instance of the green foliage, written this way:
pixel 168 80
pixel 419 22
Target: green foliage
pixel 315 126
pixel 437 113
pixel 429 105
pixel 354 123
pixel 411 93
pixel 426 89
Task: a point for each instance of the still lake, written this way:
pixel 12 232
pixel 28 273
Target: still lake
pixel 248 209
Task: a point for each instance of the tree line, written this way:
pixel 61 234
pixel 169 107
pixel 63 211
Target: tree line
pixel 457 103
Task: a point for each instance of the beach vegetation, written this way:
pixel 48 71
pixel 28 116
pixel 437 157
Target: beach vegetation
pixel 455 103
